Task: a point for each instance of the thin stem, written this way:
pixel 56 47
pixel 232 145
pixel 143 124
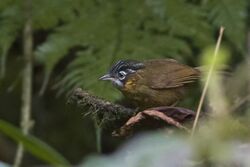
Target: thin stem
pixel 248 59
pixel 26 121
pixel 98 131
pixel 45 83
pixel 3 61
pixel 204 92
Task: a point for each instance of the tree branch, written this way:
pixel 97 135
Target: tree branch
pixel 126 119
pixel 97 105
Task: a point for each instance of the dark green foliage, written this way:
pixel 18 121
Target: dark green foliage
pixel 34 145
pixel 10 26
pixel 106 31
pixel 232 15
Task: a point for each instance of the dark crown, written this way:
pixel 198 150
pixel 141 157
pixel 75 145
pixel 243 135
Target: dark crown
pixel 126 64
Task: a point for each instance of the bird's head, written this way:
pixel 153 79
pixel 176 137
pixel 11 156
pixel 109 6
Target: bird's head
pixel 119 72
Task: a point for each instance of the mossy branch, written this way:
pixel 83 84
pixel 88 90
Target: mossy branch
pixel 128 120
pixel 96 106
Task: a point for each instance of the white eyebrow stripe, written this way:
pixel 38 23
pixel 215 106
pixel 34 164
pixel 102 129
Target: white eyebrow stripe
pixel 131 71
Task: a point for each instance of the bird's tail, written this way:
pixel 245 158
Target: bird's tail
pixel 223 70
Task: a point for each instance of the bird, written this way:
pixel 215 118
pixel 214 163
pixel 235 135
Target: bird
pixel 152 83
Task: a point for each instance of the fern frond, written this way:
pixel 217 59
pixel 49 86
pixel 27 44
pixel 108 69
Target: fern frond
pixel 184 19
pixel 232 15
pixel 10 26
pixel 48 14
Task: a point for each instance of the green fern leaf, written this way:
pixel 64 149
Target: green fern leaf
pixel 232 15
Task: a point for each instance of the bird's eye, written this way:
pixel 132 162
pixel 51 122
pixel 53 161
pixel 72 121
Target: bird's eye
pixel 122 75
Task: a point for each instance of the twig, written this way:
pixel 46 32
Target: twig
pixel 165 118
pixel 207 81
pixel 26 121
pixel 96 105
pixel 128 128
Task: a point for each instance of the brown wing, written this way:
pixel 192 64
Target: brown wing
pixel 166 73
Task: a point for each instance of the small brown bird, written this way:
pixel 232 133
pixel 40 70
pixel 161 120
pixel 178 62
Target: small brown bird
pixel 152 83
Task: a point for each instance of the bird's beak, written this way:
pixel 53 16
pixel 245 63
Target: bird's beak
pixel 106 77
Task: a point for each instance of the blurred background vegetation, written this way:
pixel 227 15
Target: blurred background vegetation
pixel 76 41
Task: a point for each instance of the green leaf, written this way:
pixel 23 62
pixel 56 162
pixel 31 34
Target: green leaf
pixel 34 145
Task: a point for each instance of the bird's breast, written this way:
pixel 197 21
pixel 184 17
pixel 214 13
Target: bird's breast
pixel 130 85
